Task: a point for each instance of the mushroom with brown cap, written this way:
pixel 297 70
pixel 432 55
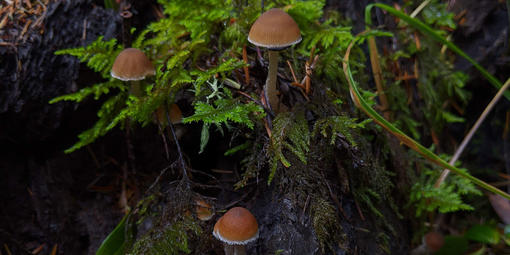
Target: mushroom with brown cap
pixel 432 242
pixel 236 228
pixel 203 210
pixel 132 65
pixel 173 110
pixel 274 30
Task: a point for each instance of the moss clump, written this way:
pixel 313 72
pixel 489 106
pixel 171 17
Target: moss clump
pixel 171 239
pixel 325 222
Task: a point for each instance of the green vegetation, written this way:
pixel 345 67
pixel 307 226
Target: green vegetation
pixel 172 239
pixel 198 47
pixel 447 198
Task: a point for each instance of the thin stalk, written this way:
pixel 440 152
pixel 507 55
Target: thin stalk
pixel 472 131
pixel 270 89
pixel 136 89
pixel 419 8
pixel 234 249
pixel 376 69
pixel 181 158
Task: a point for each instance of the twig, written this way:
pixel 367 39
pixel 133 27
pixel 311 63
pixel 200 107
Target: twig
pixel 181 159
pixel 377 73
pixel 93 155
pixel 335 198
pixel 161 131
pixel 292 72
pixel 7 249
pixel 359 210
pixel 203 173
pixel 161 173
pixel 304 208
pixel 130 148
pixel 38 249
pixel 84 31
pixel 54 250
pixel 236 201
pixel 419 8
pixel 246 68
pixel 472 131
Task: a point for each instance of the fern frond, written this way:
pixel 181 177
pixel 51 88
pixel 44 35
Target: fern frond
pixel 338 125
pixel 97 90
pixel 226 110
pixel 107 121
pixel 99 55
pixel 447 198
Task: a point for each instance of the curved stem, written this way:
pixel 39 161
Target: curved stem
pixel 270 88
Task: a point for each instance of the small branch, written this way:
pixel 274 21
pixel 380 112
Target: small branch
pixel 181 159
pixel 161 173
pixel 472 131
pixel 246 68
pixel 419 8
pixel 376 69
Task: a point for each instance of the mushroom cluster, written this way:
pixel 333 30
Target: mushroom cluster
pixel 235 229
pixel 276 31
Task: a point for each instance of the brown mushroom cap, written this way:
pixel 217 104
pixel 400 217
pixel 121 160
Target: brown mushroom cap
pixel 174 112
pixel 275 30
pixel 132 65
pixel 203 210
pixel 237 226
pixel 434 241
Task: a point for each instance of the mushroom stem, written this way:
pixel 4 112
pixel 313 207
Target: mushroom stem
pixel 135 89
pixel 234 249
pixel 239 250
pixel 270 90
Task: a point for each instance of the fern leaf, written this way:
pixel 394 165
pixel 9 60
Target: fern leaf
pixel 97 90
pixel 99 55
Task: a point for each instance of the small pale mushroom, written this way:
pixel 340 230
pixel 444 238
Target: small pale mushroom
pixel 132 65
pixel 235 229
pixel 203 210
pixel 274 30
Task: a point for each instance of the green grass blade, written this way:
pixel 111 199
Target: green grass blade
pixel 361 103
pixel 426 30
pixel 114 243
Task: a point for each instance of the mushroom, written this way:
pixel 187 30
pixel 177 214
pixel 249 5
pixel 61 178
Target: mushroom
pixel 431 243
pixel 173 110
pixel 132 65
pixel 274 30
pixel 236 228
pixel 203 210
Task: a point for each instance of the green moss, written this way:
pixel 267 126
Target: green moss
pixel 325 222
pixel 171 239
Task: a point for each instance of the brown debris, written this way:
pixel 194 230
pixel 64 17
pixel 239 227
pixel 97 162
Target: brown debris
pixel 23 15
